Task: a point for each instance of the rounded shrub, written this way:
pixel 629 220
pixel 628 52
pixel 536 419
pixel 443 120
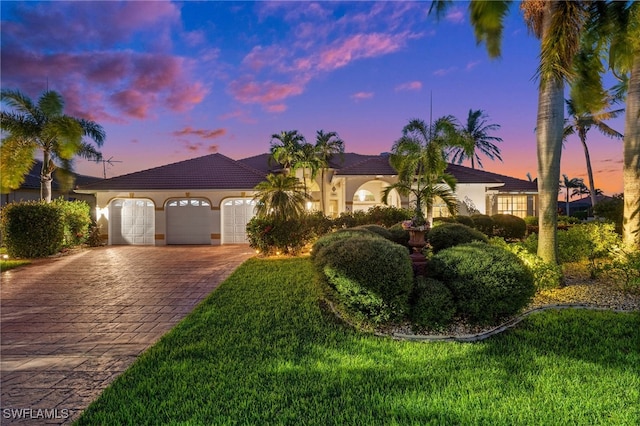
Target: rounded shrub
pixel 340 234
pixel 465 220
pixel 444 219
pixel 432 306
pixel 488 283
pixel 453 234
pixel 372 276
pixel 399 235
pixel 32 229
pixel 509 227
pixel 377 229
pixel 483 223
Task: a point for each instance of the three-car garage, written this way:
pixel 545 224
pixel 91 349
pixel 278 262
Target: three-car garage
pixel 190 220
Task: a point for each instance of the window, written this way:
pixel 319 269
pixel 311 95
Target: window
pixel 512 204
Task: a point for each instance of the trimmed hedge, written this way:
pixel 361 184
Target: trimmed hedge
pixel 270 235
pixel 483 223
pixel 488 283
pixel 432 306
pixel 372 276
pixel 466 220
pixel 377 229
pixel 452 234
pixel 509 227
pixel 32 229
pixel 340 234
pixel 77 219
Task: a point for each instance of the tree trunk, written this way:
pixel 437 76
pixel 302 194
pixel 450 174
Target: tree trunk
pixel 46 176
pixel 631 160
pixel 592 187
pixel 550 125
pixel 322 192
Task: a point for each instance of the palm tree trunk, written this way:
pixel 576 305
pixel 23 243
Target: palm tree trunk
pixel 566 203
pixel 592 187
pixel 46 177
pixel 631 160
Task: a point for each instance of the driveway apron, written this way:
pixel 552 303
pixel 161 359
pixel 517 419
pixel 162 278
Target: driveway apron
pixel 69 326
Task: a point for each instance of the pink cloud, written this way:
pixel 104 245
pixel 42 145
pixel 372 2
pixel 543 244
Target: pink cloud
pixel 264 92
pixel 471 65
pixel 132 102
pixel 411 85
pixel 201 133
pixel 455 15
pixel 444 71
pixel 360 46
pixel 276 108
pixel 359 96
pixel 261 57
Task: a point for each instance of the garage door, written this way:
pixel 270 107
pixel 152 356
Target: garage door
pixel 132 221
pixel 236 213
pixel 189 221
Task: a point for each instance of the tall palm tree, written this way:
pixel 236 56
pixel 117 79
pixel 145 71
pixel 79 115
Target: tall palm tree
pixel 307 159
pixel 558 25
pixel 568 184
pixel 45 127
pixel 616 32
pixel 285 148
pixel 420 160
pixel 580 122
pixel 281 197
pixel 476 133
pixel 327 146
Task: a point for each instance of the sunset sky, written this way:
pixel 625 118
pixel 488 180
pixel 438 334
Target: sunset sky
pixel 171 81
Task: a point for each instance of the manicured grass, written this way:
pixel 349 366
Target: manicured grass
pixel 5 265
pixel 261 350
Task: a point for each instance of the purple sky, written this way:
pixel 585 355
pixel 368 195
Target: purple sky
pixel 170 81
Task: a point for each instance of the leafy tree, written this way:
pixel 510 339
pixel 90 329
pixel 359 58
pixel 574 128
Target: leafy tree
pixel 558 25
pixel 568 184
pixel 281 197
pixel 580 122
pixel 42 126
pixel 306 158
pixel 419 158
pixel 285 148
pixel 327 146
pixel 476 134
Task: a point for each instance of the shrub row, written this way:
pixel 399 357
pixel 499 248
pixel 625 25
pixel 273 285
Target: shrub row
pixel 506 226
pixel 36 229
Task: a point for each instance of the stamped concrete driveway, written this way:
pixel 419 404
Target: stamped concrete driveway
pixel 69 326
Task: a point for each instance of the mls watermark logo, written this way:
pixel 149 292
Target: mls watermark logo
pixel 35 413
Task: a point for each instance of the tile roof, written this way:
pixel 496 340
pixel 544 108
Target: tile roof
pixel 214 171
pixel 32 179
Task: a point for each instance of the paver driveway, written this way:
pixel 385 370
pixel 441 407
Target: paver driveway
pixel 69 326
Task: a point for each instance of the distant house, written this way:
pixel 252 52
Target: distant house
pixel 30 189
pixel 209 200
pixel 581 205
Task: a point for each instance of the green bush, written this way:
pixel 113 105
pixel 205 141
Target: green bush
pixel 612 210
pixel 624 268
pixel 32 229
pixel 77 219
pixel 531 220
pixel 488 283
pixel 567 220
pixel 432 306
pixel 351 219
pixel 545 275
pixel 271 236
pixel 377 229
pixel 340 234
pixel 387 216
pixel 509 227
pixel 483 223
pixel 442 220
pixel 399 235
pixel 372 277
pixel 452 234
pixel 318 224
pixel 466 220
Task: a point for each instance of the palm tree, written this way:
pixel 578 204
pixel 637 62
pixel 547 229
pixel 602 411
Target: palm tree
pixel 558 25
pixel 617 32
pixel 580 122
pixel 567 184
pixel 281 197
pixel 42 126
pixel 420 160
pixel 476 132
pixel 285 148
pixel 327 146
pixel 307 159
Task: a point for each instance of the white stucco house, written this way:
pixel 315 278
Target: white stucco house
pixel 209 199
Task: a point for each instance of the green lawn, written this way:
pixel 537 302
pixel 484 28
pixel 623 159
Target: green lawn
pixel 261 350
pixel 6 264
